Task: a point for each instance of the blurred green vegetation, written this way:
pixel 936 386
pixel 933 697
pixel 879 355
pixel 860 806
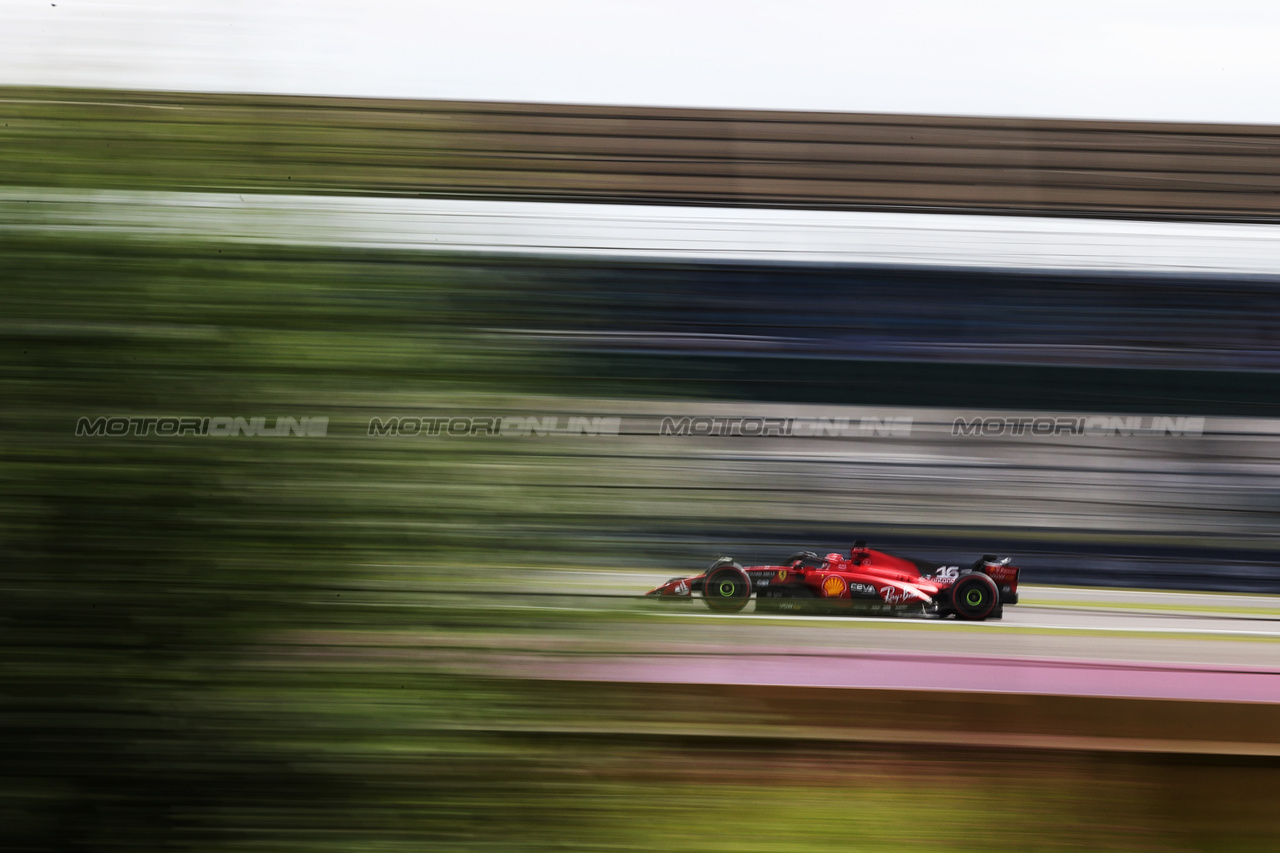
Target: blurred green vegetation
pixel 140 574
pixel 141 140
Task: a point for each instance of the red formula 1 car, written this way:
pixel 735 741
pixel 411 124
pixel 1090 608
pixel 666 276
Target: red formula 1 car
pixel 865 582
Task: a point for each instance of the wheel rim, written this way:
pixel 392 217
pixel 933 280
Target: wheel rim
pixel 973 597
pixel 727 588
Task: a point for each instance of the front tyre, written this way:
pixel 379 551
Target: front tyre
pixel 974 597
pixel 726 588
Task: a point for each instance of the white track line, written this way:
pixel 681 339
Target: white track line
pixel 902 621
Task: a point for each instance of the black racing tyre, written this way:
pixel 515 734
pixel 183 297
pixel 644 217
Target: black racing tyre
pixel 974 597
pixel 726 588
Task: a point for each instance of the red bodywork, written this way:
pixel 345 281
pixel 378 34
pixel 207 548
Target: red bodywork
pixel 863 581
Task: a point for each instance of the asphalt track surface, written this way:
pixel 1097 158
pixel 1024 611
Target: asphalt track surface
pixel 1063 641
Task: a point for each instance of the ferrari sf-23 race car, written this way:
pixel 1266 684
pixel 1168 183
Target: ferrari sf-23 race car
pixel 866 582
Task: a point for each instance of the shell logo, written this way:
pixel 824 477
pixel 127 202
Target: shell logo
pixel 833 586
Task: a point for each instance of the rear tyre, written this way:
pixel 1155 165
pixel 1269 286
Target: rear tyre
pixel 974 597
pixel 727 588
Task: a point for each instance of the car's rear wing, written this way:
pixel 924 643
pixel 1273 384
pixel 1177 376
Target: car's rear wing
pixel 1000 570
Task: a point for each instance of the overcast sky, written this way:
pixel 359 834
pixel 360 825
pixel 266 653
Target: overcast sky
pixel 1183 61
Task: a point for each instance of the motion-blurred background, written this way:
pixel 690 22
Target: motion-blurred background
pixel 366 639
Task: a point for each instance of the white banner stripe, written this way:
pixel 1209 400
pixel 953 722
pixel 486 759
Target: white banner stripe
pixel 658 232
